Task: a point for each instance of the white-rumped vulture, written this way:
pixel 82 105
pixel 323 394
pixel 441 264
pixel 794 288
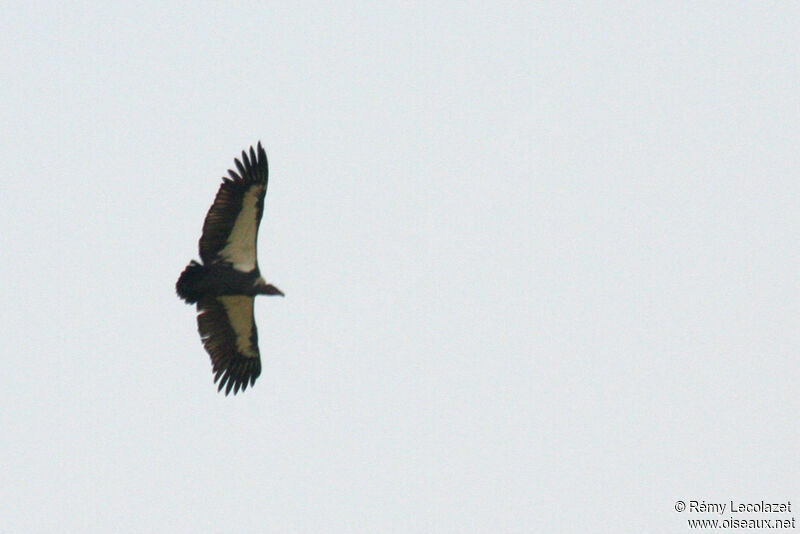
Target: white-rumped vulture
pixel 227 281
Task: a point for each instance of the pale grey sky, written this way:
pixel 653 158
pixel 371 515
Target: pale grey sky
pixel 540 264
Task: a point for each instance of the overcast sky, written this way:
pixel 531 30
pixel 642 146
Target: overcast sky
pixel 540 264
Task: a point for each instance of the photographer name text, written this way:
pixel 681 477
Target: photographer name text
pixel 734 507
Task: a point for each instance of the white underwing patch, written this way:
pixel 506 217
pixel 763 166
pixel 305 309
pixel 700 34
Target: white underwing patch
pixel 240 249
pixel 240 315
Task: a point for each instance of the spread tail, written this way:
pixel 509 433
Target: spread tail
pixel 188 281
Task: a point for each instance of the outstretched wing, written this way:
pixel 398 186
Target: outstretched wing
pixel 228 330
pixel 230 230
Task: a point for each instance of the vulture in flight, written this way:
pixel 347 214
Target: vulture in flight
pixel 227 281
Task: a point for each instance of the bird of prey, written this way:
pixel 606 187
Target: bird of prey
pixel 225 284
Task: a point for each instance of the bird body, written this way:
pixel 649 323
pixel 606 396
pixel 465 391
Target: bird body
pixel 219 279
pixel 225 284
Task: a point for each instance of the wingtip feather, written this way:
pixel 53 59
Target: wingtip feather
pixel 262 155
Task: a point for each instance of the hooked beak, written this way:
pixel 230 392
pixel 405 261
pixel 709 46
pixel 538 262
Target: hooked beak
pixel 269 289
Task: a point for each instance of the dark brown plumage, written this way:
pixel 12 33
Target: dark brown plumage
pixel 236 366
pixel 227 205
